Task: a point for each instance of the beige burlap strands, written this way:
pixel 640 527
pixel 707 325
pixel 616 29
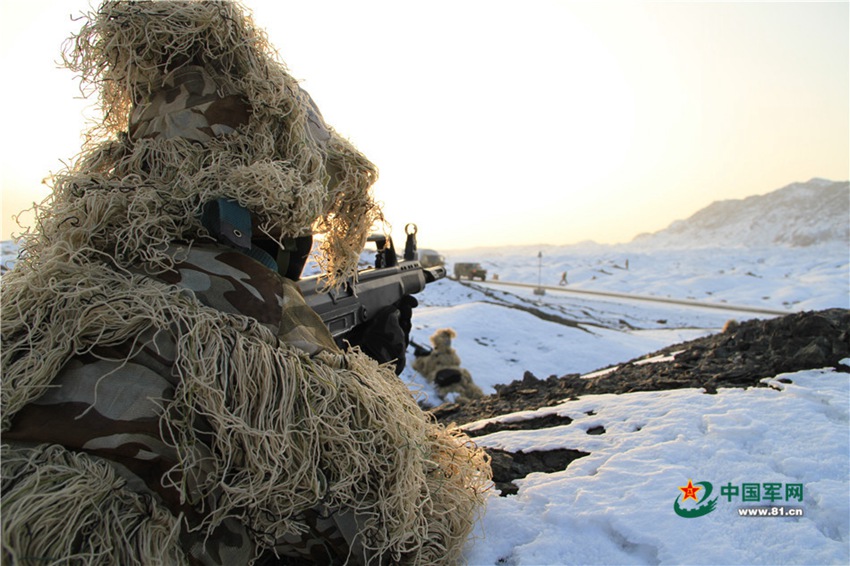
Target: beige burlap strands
pixel 169 400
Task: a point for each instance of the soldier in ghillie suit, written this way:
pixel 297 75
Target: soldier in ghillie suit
pixel 167 395
pixel 442 368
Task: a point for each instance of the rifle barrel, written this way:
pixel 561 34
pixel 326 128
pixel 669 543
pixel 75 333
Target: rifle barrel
pixel 375 289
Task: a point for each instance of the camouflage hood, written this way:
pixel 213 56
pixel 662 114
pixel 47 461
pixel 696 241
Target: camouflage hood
pixel 195 108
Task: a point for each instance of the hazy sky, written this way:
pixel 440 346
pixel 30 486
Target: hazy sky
pixel 527 122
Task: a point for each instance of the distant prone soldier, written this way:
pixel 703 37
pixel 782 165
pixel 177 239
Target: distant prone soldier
pixel 442 368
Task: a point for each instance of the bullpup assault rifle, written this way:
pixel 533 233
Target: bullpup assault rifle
pixel 374 289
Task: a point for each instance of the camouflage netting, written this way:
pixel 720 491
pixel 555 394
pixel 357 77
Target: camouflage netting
pixel 126 198
pixel 289 431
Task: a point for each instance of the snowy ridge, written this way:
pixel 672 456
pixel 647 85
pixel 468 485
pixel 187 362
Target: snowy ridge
pixel 798 215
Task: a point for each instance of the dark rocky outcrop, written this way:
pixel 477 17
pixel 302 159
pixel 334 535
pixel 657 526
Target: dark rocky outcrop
pixel 740 356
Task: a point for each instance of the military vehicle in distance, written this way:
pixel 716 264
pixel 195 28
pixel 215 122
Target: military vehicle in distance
pixel 470 271
pixel 431 258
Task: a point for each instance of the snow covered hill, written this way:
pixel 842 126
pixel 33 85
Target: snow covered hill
pixel 800 214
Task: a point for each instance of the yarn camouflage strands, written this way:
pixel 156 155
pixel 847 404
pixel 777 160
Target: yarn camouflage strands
pixel 166 397
pixel 266 406
pixel 205 68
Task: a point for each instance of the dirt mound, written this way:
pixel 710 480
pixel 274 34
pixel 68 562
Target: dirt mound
pixel 740 356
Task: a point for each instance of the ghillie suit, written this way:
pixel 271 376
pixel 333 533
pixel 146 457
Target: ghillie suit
pixel 166 397
pixel 442 368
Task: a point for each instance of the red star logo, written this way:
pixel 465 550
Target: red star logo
pixel 690 491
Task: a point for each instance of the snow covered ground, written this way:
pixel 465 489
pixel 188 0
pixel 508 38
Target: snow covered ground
pixel 498 340
pixel 785 278
pixel 616 506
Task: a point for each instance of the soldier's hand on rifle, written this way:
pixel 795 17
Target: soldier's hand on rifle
pixel 386 336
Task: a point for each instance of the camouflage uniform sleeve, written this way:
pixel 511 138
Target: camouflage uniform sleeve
pixel 232 282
